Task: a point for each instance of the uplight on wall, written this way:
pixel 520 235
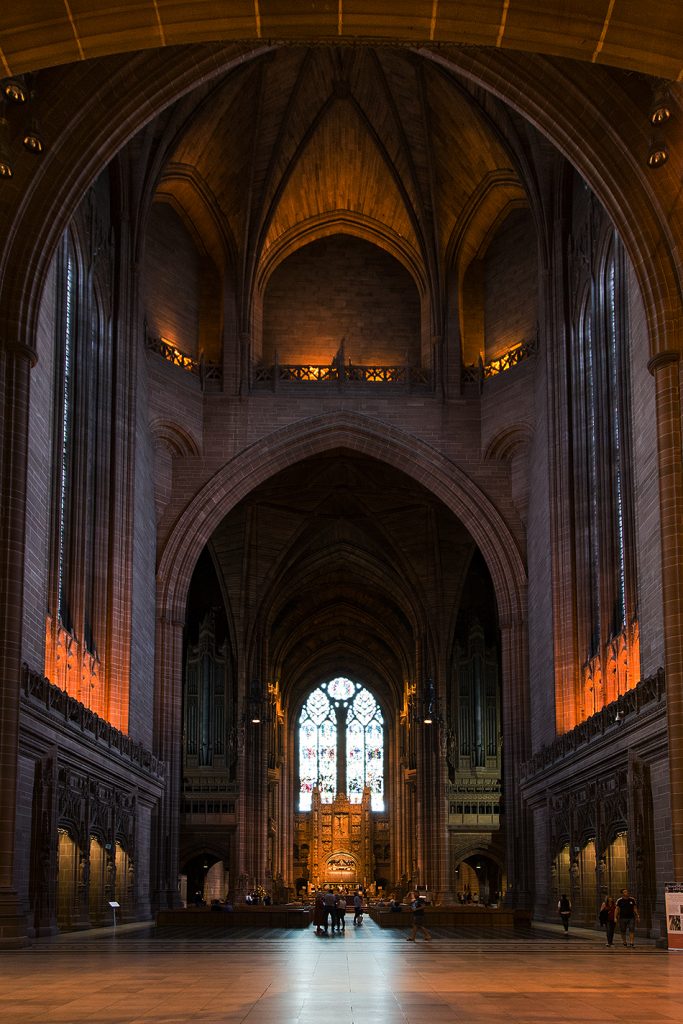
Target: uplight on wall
pixel 33 140
pixel 659 117
pixel 658 156
pixel 14 93
pixel 5 161
pixel 14 90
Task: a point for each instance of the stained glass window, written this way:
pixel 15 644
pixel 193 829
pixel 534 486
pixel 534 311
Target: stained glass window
pixel 348 707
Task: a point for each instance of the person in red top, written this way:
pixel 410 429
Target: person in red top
pixel 607 914
pixel 627 915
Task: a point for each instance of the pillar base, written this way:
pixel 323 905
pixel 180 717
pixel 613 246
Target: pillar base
pixel 13 922
pixel 166 899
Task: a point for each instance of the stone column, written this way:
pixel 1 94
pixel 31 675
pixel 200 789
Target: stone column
pixel 168 744
pixel 15 368
pixel 665 369
pixel 516 750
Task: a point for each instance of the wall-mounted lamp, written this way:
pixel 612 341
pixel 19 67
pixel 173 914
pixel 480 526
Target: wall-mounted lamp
pixel 619 717
pixel 660 109
pixel 33 140
pixel 5 162
pixel 14 90
pixel 658 156
pixel 659 116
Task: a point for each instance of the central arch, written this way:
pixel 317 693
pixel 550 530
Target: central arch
pixel 350 432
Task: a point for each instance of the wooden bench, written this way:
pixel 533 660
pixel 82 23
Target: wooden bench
pixel 240 917
pixel 453 917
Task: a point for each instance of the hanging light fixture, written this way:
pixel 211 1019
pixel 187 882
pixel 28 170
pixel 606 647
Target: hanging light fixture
pixel 429 703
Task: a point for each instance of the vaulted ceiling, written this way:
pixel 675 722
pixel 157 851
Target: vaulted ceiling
pixel 629 33
pixel 341 559
pixel 304 142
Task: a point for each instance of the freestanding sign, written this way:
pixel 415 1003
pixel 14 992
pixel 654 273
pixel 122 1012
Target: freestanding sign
pixel 673 897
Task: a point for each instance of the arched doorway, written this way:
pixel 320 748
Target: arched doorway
pixel 479 880
pixel 204 878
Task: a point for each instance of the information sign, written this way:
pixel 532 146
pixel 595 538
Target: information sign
pixel 673 897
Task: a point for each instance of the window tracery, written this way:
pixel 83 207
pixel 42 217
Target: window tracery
pixel 341 744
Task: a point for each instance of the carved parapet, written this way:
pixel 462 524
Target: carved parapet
pixel 39 692
pixel 646 694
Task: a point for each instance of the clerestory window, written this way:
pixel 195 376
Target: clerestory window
pixel 341 744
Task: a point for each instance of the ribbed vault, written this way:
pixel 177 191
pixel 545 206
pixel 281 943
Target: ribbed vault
pixel 345 565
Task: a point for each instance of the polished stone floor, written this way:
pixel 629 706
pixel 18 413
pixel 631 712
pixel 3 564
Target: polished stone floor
pixel 365 976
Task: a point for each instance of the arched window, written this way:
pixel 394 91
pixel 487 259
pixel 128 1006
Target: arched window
pixel 605 588
pixel 341 744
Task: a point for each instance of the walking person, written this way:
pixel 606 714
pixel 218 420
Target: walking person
pixel 341 912
pixel 564 909
pixel 607 918
pixel 626 913
pixel 417 905
pixel 328 903
pixel 357 909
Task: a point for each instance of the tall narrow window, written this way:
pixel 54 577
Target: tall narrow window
pixel 66 441
pixel 341 744
pixel 607 628
pixel 617 444
pixel 593 482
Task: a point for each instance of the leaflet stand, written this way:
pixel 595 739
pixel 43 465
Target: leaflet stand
pixel 114 906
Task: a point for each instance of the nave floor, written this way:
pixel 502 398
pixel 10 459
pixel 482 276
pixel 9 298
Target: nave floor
pixel 365 976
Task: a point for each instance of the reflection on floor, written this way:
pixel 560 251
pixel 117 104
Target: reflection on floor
pixel 139 976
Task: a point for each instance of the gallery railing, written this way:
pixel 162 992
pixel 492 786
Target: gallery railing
pixel 647 693
pixel 340 375
pixel 210 375
pixel 477 373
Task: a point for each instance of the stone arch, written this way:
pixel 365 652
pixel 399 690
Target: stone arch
pixel 345 222
pixel 354 433
pixel 174 438
pixel 495 197
pixel 642 39
pixel 562 111
pixel 505 444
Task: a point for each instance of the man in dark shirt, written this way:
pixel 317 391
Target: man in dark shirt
pixel 626 914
